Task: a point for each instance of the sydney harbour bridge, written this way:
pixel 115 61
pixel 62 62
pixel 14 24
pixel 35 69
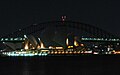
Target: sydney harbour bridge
pixel 59 38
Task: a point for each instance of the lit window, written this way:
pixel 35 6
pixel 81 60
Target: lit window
pixel 2 39
pixel 6 39
pixel 11 38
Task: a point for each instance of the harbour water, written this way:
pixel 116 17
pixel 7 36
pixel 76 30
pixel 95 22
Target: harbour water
pixel 61 65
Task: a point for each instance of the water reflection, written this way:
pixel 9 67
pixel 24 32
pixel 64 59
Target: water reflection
pixel 26 68
pixel 58 66
pixel 33 67
pixel 22 66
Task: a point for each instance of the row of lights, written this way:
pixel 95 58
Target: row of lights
pixel 29 54
pixel 101 39
pixel 64 52
pixel 11 39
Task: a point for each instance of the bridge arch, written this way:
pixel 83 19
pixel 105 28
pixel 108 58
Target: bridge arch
pixel 90 29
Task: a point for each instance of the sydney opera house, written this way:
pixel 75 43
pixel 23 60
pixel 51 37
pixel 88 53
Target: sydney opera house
pixel 61 37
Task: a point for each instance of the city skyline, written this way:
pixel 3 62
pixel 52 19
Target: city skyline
pixel 15 15
pixel 59 38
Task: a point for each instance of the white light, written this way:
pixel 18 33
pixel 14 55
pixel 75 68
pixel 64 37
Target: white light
pixel 50 47
pixel 42 54
pixel 96 46
pixel 118 44
pixel 95 53
pixel 67 42
pixel 39 39
pixel 15 38
pixel 25 36
pixel 35 53
pixel 19 29
pixel 39 54
pixel 108 49
pixel 11 38
pixel 2 39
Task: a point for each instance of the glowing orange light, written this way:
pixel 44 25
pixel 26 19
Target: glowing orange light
pixel 81 44
pixel 59 52
pixel 38 47
pixel 70 46
pixel 59 47
pixel 117 52
pixel 55 52
pixel 70 52
pixel 66 52
pixel 42 45
pixel 26 46
pixel 63 52
pixel 76 43
pixel 78 52
pixel 33 47
pixel 74 51
pixel 52 52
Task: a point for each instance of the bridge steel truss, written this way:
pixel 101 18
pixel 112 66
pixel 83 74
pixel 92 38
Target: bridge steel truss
pixel 32 29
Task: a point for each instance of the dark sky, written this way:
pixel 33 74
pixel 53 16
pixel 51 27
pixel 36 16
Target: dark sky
pixel 19 14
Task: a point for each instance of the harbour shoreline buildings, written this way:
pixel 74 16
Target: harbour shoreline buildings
pixel 60 38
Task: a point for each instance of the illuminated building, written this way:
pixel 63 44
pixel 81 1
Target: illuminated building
pixel 62 37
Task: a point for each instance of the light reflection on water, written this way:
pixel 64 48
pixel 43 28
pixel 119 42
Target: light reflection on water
pixel 57 66
pixel 32 68
pixel 26 68
pixel 22 66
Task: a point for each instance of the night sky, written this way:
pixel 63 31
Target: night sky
pixel 16 14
